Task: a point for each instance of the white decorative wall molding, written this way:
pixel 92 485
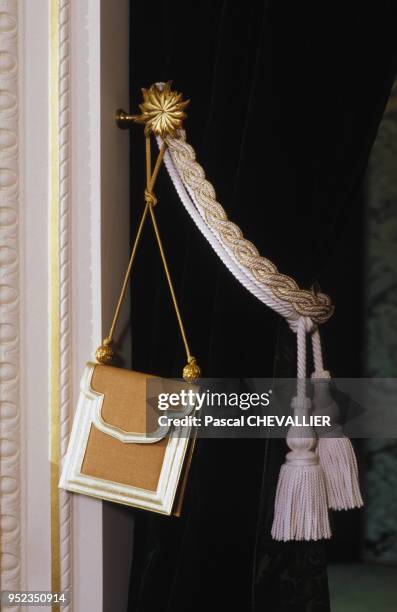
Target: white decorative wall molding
pixel 10 328
pixel 92 153
pixel 65 373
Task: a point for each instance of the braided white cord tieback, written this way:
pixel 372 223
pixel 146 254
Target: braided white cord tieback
pixel 259 290
pixel 256 273
pixel 301 503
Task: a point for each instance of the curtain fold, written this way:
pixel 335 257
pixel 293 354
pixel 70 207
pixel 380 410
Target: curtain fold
pixel 285 103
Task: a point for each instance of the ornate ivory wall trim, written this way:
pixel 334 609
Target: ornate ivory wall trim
pixel 60 336
pixel 64 286
pixel 10 473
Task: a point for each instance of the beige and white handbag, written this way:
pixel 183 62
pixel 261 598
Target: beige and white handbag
pixel 111 453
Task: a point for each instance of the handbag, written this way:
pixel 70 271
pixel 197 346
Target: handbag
pixel 111 454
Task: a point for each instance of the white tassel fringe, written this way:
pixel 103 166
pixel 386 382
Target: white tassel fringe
pixel 301 511
pixel 339 464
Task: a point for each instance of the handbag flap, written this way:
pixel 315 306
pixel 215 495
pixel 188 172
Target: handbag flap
pixel 123 409
pixel 124 402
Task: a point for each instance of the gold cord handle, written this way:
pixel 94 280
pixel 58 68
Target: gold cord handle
pixel 104 353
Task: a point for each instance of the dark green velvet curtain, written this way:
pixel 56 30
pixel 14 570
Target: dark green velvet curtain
pixel 285 103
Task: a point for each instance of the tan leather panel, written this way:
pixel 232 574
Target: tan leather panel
pixel 124 406
pixel 138 465
pixel 124 403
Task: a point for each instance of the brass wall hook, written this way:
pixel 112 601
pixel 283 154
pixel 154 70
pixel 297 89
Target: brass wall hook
pixel 123 119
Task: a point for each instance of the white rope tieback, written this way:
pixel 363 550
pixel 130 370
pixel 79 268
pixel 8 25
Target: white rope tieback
pixel 257 273
pixel 316 474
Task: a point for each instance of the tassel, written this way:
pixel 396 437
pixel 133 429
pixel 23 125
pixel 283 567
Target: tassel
pixel 336 454
pixel 301 511
pixel 339 464
pixel 335 451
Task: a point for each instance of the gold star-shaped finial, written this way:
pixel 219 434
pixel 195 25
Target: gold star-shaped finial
pixel 162 110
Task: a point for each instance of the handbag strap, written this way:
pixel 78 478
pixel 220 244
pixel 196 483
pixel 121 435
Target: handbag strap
pixel 105 353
